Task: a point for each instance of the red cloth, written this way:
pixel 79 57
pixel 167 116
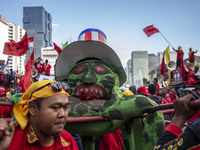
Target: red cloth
pixel 112 141
pixel 25 81
pixel 191 78
pixel 46 67
pixel 162 66
pixel 167 99
pixel 38 67
pixel 173 129
pixel 182 69
pixel 158 88
pixel 19 141
pixel 5 111
pixel 191 55
pixel 179 54
pixel 57 48
pixel 30 62
pixel 173 96
pixel 16 49
pixel 150 30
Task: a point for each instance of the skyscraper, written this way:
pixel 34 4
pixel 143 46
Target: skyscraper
pixel 140 67
pixel 38 23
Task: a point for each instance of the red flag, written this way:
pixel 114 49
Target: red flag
pixel 162 67
pixel 182 69
pixel 30 62
pixel 149 30
pixel 16 49
pixel 25 81
pixel 30 41
pixel 57 48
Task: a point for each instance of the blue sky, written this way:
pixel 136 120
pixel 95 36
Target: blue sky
pixel 121 21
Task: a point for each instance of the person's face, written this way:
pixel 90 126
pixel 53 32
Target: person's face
pixel 173 90
pixel 190 49
pixel 163 91
pixel 154 81
pixel 198 92
pixel 92 79
pixel 52 115
pixel 3 98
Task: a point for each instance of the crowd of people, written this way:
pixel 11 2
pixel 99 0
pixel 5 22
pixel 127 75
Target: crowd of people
pixel 9 83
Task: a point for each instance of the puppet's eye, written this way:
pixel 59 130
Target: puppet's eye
pixel 101 70
pixel 80 69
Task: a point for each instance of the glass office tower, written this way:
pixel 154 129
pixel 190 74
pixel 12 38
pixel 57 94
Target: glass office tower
pixel 38 23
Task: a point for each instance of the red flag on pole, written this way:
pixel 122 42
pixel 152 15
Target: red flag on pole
pixel 16 49
pixel 149 30
pixel 30 62
pixel 182 69
pixel 25 81
pixel 57 48
pixel 162 67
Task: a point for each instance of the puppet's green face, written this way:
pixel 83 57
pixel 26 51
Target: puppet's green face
pixel 92 79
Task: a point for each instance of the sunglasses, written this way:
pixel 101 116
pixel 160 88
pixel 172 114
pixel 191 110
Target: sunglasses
pixel 55 87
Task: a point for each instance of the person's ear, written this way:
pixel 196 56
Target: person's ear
pixel 32 108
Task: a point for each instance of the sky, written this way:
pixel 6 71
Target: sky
pixel 122 22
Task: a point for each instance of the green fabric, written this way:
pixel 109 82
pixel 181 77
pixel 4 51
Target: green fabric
pixel 65 45
pixel 138 134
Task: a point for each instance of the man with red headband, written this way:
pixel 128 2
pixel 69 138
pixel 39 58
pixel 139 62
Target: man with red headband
pixel 41 115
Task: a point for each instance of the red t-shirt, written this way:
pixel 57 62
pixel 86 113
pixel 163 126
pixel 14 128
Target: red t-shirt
pixel 158 88
pixel 63 142
pixel 46 67
pixel 191 55
pixel 38 67
pixel 173 96
pixel 179 54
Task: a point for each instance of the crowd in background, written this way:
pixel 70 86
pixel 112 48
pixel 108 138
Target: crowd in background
pixel 9 83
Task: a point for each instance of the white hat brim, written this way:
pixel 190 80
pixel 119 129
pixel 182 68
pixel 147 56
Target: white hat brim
pixel 79 50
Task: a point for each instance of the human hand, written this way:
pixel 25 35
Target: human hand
pixel 182 110
pixel 7 131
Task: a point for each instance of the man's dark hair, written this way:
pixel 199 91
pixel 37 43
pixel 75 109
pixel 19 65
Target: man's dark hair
pixel 152 89
pixel 38 102
pixel 46 61
pixel 156 79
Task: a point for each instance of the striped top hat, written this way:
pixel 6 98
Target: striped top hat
pixel 91 44
pixel 92 34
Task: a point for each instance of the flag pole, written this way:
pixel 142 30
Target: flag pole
pixel 164 37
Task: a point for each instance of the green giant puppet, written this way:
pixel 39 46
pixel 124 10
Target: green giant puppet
pixel 94 73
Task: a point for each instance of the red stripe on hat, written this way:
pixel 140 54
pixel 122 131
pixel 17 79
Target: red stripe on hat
pixel 88 36
pixel 101 38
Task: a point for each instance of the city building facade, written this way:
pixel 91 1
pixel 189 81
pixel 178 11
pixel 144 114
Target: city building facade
pixel 9 31
pixel 140 67
pixel 152 63
pixel 173 57
pixel 128 71
pixel 38 23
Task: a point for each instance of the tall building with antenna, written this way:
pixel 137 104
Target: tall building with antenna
pixel 38 22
